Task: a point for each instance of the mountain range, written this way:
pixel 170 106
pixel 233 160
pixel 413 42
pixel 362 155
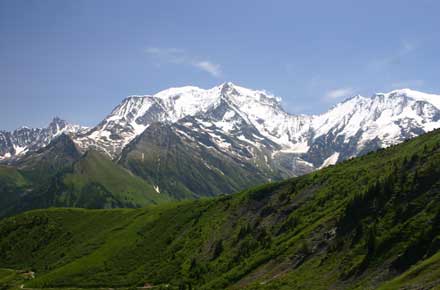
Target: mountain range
pixel 372 222
pixel 190 142
pixel 119 205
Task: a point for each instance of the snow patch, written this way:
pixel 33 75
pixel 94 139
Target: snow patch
pixel 330 160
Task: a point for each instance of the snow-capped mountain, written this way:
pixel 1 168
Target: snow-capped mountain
pixel 227 106
pixel 362 124
pixel 17 143
pixel 136 113
pixel 251 126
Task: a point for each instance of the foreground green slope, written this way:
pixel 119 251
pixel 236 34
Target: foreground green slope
pixel 59 176
pixel 368 223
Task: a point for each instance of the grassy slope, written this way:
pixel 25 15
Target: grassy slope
pixel 91 181
pixel 8 278
pixel 10 174
pixel 42 165
pixel 123 186
pixel 12 183
pixel 426 273
pixel 358 225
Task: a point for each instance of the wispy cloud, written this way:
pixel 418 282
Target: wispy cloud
pixel 212 68
pixel 406 48
pixel 339 93
pixel 180 56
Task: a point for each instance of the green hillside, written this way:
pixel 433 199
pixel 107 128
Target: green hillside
pixel 367 223
pixel 112 185
pixel 59 176
pixel 12 183
pixel 43 165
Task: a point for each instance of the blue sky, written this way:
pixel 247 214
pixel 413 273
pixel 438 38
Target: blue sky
pixel 78 59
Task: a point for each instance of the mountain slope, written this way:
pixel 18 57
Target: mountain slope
pixel 15 145
pixel 34 173
pixel 119 186
pixel 12 185
pixel 184 166
pixel 59 175
pixel 363 124
pixel 42 165
pixel 370 222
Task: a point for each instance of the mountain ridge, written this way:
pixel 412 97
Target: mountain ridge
pixel 257 122
pixel 15 144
